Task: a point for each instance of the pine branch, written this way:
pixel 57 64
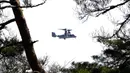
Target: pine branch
pixel 16 43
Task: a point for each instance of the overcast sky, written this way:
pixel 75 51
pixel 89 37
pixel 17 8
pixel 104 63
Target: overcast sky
pixel 56 14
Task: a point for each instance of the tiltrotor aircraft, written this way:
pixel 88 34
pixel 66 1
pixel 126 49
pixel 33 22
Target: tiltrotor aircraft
pixel 67 34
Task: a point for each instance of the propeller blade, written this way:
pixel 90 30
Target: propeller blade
pixel 66 29
pixel 63 29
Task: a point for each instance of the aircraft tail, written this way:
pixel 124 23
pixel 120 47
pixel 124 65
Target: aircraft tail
pixel 53 34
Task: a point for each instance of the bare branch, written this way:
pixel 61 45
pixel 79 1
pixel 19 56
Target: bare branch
pixel 34 42
pixel 117 31
pixel 106 9
pixel 121 25
pixel 29 6
pixel 4 2
pixel 4 7
pixel 2 25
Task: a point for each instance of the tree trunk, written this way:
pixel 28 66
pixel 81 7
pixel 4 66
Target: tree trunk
pixel 26 38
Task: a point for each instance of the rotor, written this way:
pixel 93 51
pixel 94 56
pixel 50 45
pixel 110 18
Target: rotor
pixel 66 29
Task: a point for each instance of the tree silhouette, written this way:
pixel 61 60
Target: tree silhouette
pixel 86 67
pixel 12 57
pixel 116 52
pixel 87 8
pixel 23 29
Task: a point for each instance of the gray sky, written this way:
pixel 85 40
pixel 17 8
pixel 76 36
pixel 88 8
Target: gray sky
pixel 56 14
